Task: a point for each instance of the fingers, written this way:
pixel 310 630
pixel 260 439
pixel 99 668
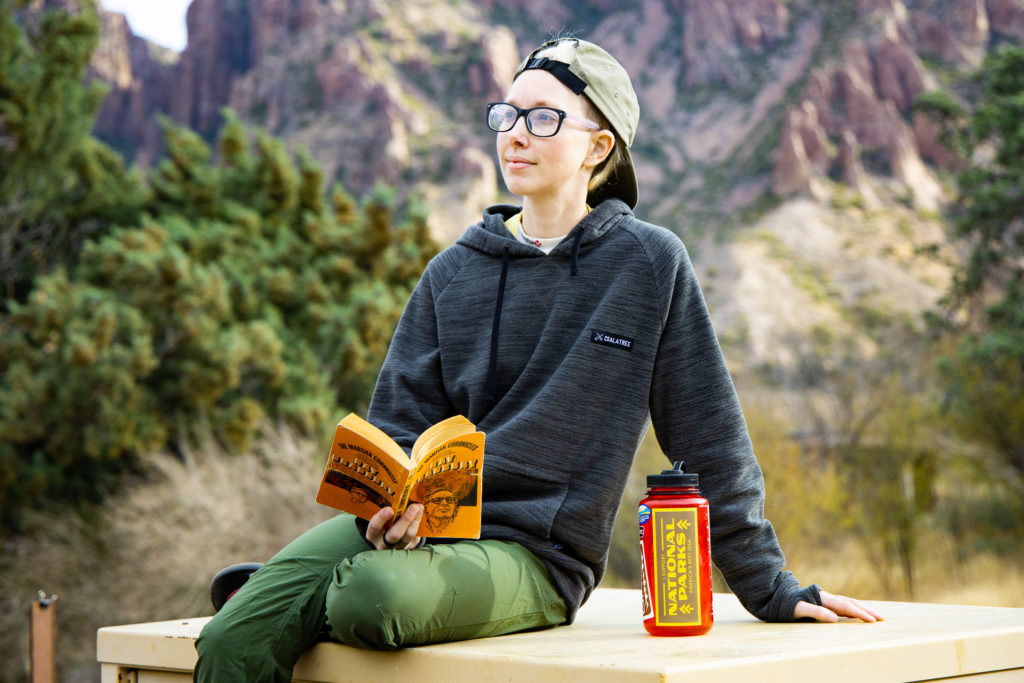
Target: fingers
pixel 848 607
pixel 385 533
pixel 835 606
pixel 402 533
pixel 805 610
pixel 378 526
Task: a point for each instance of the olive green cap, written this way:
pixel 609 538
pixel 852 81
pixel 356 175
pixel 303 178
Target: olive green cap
pixel 593 72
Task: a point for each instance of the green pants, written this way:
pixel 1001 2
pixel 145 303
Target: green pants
pixel 328 585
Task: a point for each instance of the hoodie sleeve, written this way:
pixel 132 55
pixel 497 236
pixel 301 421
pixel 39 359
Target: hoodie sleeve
pixel 409 395
pixel 697 418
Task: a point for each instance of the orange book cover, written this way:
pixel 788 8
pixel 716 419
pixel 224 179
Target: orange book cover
pixel 366 471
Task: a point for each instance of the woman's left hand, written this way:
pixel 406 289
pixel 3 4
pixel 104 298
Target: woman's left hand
pixel 833 607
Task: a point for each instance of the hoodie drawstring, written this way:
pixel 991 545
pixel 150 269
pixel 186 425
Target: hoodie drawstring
pixel 575 252
pixel 492 363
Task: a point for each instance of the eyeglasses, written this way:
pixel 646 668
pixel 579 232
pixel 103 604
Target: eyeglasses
pixel 542 122
pixel 441 500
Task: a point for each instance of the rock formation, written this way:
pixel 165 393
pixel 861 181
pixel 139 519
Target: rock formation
pixel 812 102
pixel 136 72
pixel 802 156
pixel 717 34
pixel 361 100
pixel 864 101
pixel 381 91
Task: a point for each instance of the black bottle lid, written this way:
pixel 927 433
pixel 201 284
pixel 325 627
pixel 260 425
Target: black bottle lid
pixel 677 476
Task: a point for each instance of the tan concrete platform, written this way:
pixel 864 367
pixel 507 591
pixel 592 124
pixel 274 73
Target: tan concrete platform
pixel 607 644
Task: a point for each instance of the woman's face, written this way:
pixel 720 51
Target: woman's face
pixel 554 167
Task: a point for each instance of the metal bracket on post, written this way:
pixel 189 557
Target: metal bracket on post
pixel 43 639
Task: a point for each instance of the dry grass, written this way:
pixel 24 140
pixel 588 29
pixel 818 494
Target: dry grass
pixel 151 551
pixel 983 579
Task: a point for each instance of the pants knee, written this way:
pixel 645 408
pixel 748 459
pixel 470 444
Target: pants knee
pixel 219 647
pixel 366 607
pixel 235 650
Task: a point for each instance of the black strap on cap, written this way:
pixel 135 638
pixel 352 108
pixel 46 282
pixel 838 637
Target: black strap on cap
pixel 559 70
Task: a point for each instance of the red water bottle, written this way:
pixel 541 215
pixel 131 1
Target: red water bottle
pixel 675 536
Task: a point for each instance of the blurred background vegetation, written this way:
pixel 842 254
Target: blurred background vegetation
pixel 175 342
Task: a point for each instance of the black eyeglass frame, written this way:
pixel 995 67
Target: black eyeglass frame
pixel 525 114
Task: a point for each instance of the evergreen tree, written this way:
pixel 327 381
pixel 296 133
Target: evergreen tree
pixel 983 319
pixel 218 290
pixel 243 295
pixel 59 184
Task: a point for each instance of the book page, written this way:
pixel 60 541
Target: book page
pixel 429 436
pixel 448 484
pixel 440 436
pixel 361 476
pixel 371 433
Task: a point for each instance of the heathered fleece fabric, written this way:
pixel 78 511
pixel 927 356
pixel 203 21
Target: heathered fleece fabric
pixel 584 363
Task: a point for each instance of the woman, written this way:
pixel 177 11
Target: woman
pixel 562 329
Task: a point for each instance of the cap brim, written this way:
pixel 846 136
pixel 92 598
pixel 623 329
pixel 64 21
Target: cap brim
pixel 621 184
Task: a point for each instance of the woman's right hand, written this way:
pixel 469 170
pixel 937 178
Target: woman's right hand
pixel 386 533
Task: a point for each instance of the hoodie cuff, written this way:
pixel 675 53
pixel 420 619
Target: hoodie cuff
pixel 811 594
pixel 363 525
pixel 786 594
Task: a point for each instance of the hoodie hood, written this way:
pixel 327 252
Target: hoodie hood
pixel 490 235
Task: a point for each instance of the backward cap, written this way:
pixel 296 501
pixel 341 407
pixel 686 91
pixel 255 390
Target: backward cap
pixel 596 74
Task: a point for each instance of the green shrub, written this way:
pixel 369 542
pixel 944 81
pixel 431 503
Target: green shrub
pixel 242 294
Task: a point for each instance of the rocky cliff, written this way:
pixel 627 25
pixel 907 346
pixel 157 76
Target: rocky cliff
pixel 378 92
pixel 138 74
pixel 864 100
pixel 778 136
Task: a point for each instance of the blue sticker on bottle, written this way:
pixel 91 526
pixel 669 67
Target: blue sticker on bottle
pixel 645 514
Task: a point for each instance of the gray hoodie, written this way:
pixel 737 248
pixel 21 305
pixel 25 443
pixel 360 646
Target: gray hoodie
pixel 563 360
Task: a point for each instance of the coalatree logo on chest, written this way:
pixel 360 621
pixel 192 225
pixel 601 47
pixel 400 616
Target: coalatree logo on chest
pixel 616 341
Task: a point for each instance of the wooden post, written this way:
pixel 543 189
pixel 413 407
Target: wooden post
pixel 43 639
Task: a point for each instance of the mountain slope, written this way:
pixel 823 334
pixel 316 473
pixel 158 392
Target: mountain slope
pixel 777 137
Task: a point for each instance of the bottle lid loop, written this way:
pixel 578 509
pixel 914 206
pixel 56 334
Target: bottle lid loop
pixel 677 476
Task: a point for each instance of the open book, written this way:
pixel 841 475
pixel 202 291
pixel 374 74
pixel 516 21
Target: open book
pixel 367 470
